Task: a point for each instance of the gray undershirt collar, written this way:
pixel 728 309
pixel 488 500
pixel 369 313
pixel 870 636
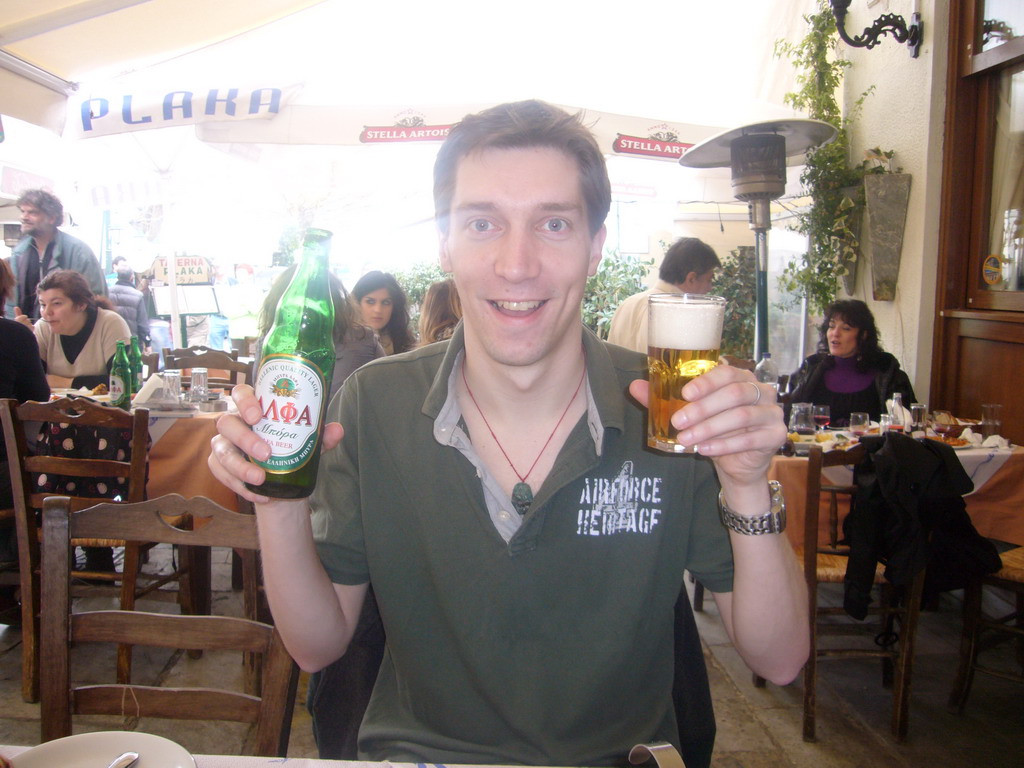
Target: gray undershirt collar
pixel 449 429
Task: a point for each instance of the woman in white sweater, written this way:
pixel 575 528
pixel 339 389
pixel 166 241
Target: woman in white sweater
pixel 77 339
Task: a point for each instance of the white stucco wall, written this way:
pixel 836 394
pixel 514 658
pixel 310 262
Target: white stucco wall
pixel 905 113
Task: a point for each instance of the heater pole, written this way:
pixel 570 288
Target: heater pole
pixel 761 316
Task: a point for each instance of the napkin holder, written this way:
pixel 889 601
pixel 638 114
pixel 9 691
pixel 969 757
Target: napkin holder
pixel 156 397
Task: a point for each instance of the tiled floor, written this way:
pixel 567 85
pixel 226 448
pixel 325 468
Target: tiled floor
pixel 756 727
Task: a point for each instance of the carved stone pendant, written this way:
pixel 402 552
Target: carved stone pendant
pixel 522 498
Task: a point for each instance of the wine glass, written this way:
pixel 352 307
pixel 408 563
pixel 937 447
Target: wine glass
pixel 822 416
pixel 942 422
pixel 859 423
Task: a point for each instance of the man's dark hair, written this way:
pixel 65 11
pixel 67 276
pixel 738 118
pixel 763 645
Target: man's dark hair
pixel 686 255
pixel 47 202
pixel 524 125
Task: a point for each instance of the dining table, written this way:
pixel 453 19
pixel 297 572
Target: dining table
pixel 177 457
pixel 250 761
pixel 996 506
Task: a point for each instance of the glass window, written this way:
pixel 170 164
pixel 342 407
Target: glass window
pixel 1002 20
pixel 1003 268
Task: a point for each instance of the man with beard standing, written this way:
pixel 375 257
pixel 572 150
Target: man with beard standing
pixel 44 249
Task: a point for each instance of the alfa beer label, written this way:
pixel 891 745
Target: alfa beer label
pixel 116 389
pixel 290 390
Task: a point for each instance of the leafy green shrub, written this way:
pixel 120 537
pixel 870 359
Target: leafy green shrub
pixel 617 277
pixel 736 281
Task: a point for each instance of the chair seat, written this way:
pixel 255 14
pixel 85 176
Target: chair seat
pixel 1013 566
pixel 832 568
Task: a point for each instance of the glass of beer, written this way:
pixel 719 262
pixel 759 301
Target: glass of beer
pixel 684 332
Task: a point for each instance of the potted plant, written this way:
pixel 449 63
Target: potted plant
pixel 832 221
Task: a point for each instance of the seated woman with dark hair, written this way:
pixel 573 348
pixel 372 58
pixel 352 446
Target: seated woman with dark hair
pixel 384 308
pixel 852 373
pixel 77 338
pixel 354 343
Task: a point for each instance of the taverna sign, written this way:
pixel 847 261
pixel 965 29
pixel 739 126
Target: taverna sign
pixel 101 114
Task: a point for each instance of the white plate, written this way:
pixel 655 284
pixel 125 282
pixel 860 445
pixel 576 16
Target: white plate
pixel 97 750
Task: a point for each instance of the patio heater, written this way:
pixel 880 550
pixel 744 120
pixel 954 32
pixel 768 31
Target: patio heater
pixel 758 155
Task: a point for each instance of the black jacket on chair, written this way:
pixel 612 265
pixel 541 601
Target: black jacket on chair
pixel 909 513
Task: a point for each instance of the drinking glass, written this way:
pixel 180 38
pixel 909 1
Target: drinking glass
pixel 822 416
pixel 684 333
pixel 991 419
pixel 800 419
pixel 172 385
pixel 884 423
pixel 860 422
pixel 198 391
pixel 918 416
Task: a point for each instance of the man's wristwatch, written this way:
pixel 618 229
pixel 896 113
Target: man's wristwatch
pixel 772 521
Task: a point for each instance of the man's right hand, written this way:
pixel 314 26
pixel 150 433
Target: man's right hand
pixel 230 449
pixel 22 318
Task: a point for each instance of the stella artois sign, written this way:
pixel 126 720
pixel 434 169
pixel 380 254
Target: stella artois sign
pixel 661 141
pixel 409 126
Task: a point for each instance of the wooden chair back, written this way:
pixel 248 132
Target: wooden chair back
pixel 225 370
pixel 26 465
pixel 150 365
pixel 827 564
pixel 207 525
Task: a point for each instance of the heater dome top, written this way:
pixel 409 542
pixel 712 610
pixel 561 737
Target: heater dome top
pixel 801 135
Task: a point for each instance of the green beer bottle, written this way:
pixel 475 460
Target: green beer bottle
pixel 135 363
pixel 121 379
pixel 294 378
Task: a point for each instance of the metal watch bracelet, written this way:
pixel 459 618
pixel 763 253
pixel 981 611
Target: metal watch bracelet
pixel 772 521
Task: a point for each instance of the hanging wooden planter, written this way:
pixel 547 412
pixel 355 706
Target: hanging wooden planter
pixel 888 195
pixel 855 220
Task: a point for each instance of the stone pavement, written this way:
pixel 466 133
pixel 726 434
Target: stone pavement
pixel 756 727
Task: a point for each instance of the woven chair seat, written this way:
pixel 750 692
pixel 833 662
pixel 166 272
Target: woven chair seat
pixel 1013 566
pixel 832 568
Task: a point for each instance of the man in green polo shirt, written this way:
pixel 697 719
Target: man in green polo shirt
pixel 525 549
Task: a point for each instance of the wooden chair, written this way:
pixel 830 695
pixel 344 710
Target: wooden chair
pixel 150 365
pixel 26 465
pixel 210 525
pixel 826 564
pixel 981 632
pixel 216 361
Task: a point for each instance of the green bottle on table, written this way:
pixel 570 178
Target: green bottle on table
pixel 121 379
pixel 294 378
pixel 135 362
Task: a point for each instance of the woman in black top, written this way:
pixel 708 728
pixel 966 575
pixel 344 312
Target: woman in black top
pixel 851 372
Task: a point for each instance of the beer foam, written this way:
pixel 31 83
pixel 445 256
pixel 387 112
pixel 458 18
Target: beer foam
pixel 686 326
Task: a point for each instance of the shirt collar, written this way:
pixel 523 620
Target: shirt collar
pixel 606 407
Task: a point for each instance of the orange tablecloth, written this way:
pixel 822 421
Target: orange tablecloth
pixel 996 508
pixel 177 462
